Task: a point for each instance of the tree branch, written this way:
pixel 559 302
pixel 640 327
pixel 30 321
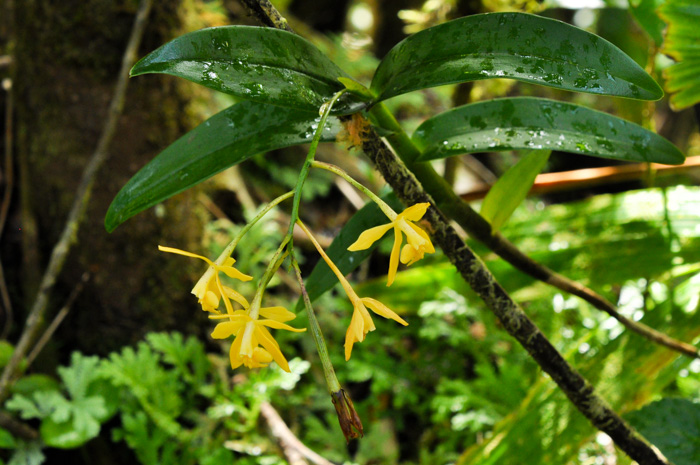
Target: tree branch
pixel 266 13
pixel 69 235
pixel 480 229
pixel 17 428
pixel 295 451
pixel 589 177
pixel 579 391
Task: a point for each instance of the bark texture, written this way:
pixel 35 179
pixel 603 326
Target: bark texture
pixel 67 57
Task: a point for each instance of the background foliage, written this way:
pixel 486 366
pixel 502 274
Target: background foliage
pixel 449 388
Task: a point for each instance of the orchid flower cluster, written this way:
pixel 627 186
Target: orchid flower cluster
pixel 245 324
pixel 249 323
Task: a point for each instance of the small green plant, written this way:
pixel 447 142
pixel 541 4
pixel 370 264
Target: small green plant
pixel 159 391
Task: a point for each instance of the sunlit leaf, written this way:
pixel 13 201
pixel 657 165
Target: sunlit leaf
pixel 7 440
pixel 532 123
pixel 511 45
pixel 224 140
pixel 256 63
pixel 512 188
pixel 683 44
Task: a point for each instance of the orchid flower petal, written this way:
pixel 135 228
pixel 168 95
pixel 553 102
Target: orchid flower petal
pixel 271 346
pixel 394 259
pixel 280 314
pixel 382 310
pixel 369 237
pixel 415 212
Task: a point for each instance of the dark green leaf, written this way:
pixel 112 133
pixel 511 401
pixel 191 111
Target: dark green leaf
pixel 28 384
pixel 682 43
pixel 512 45
pixel 6 350
pixel 7 441
pixel 512 188
pixel 672 425
pixel 224 140
pixel 532 123
pixel 256 63
pixel 644 11
pixel 322 278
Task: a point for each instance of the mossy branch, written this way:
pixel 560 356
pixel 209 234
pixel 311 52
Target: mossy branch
pixel 514 320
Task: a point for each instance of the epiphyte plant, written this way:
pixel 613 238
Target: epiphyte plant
pixel 285 80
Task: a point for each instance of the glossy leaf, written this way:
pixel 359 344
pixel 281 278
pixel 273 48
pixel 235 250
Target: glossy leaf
pixel 533 123
pixel 512 188
pixel 683 44
pixel 224 140
pixel 511 45
pixel 322 278
pixel 673 425
pixel 255 63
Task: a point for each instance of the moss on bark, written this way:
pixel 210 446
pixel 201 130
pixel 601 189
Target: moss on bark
pixel 68 54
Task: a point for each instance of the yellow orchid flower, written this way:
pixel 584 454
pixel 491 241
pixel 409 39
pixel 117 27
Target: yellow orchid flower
pixel 251 333
pixel 361 322
pixel 418 240
pixel 209 288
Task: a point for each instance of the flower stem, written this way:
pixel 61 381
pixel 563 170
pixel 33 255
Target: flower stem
pixel 388 211
pixel 274 265
pixel 343 282
pixel 328 371
pixel 304 173
pixel 234 242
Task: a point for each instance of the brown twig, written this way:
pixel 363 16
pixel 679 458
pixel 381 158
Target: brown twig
pixel 70 230
pixel 5 207
pixel 17 428
pixel 350 193
pixel 589 177
pixel 58 319
pixel 294 450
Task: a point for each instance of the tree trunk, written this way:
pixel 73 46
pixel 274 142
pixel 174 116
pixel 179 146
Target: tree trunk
pixel 68 54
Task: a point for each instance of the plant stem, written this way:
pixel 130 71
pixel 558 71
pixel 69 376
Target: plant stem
pixel 272 267
pixel 383 206
pixel 267 14
pixel 304 172
pixel 328 370
pixel 232 245
pixel 276 262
